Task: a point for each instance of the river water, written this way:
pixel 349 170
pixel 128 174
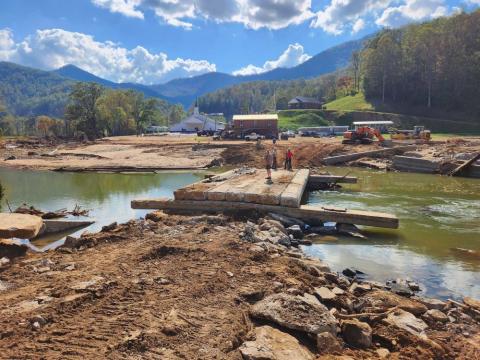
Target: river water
pixel 436 215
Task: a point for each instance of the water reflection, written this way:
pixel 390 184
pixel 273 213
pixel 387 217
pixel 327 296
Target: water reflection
pixel 437 214
pixel 107 196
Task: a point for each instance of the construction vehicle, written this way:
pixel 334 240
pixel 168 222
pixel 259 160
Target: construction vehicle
pixel 418 133
pixel 362 135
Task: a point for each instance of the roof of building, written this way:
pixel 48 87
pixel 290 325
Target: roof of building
pixel 304 99
pixel 256 117
pixel 373 123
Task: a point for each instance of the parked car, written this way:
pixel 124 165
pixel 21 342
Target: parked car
pixel 254 137
pixel 205 133
pixel 290 133
pixel 284 136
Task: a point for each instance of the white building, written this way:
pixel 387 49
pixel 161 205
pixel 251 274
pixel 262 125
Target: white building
pixel 197 122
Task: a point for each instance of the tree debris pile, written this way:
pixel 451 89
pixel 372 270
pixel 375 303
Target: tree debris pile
pixel 31 210
pixel 211 287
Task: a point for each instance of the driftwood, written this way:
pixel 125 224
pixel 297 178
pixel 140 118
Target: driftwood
pixel 31 210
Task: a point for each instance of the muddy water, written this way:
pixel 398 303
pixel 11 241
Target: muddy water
pixel 436 214
pixel 107 196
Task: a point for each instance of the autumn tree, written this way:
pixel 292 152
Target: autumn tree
pixel 44 124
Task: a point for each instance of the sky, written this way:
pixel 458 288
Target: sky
pixel 154 41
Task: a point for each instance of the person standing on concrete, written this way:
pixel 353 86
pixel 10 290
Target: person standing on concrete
pixel 288 160
pixel 274 158
pixel 268 165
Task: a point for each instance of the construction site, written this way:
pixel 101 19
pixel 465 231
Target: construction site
pixel 189 252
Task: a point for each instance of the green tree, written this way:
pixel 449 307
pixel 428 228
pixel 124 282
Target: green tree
pixel 82 108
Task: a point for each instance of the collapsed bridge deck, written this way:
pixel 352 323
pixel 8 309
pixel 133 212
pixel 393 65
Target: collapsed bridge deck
pixel 246 189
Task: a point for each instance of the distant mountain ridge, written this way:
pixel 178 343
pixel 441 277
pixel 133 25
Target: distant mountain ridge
pixel 334 58
pixel 27 91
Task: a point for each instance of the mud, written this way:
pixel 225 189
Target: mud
pixel 175 287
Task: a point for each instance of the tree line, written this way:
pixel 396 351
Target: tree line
pixel 432 65
pixel 93 111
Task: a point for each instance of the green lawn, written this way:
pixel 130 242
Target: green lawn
pixel 294 119
pixel 356 102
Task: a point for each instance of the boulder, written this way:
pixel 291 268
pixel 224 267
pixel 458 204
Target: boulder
pixel 273 344
pixel 295 313
pixel 269 224
pixel 11 249
pixel 430 303
pixel 386 299
pixel 359 289
pixel 406 321
pixel 436 315
pixel 312 266
pixel 296 231
pixel 356 333
pixel 352 272
pixel 156 216
pixel 324 294
pixel 327 343
pixel 382 353
pixel 21 226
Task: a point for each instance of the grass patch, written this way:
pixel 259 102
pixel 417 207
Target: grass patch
pixel 350 103
pixel 295 119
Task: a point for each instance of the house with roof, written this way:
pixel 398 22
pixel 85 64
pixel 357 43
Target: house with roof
pixel 303 102
pixel 264 124
pixel 197 122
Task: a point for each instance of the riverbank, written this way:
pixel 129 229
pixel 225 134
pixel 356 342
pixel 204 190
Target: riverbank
pixel 213 287
pixel 187 152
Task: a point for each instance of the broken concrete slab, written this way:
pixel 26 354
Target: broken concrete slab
pixel 295 313
pixel 20 226
pixel 273 344
pixel 406 321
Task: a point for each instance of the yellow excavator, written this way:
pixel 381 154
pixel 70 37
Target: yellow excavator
pixel 418 133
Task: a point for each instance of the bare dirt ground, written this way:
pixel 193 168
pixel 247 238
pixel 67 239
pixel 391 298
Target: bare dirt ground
pixel 150 153
pixel 175 287
pixel 162 152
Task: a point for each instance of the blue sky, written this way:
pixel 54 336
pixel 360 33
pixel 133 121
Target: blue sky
pixel 153 41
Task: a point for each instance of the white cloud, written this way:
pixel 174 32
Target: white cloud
pixel 253 14
pixel 292 56
pixel 359 25
pixel 412 10
pixel 53 48
pixel 124 7
pixel 340 14
pixel 6 43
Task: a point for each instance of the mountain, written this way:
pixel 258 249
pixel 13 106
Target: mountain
pixel 31 92
pixel 26 91
pixel 75 73
pixel 186 90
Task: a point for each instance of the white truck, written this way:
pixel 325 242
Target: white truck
pixel 254 137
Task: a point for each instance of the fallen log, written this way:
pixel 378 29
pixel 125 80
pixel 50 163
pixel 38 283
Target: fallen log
pixel 307 213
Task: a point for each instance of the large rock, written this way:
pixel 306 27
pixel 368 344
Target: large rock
pixel 272 344
pixel 295 313
pixel 406 321
pixel 296 231
pixel 20 226
pixel 324 294
pixel 474 303
pixel 430 303
pixel 436 315
pixel 11 249
pixel 356 333
pixel 381 298
pixel 312 266
pixel 327 343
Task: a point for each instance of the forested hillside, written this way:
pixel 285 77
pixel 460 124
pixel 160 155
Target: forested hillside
pixel 430 69
pixel 434 65
pixel 261 96
pixel 26 91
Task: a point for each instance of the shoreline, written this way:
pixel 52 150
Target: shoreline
pixel 191 269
